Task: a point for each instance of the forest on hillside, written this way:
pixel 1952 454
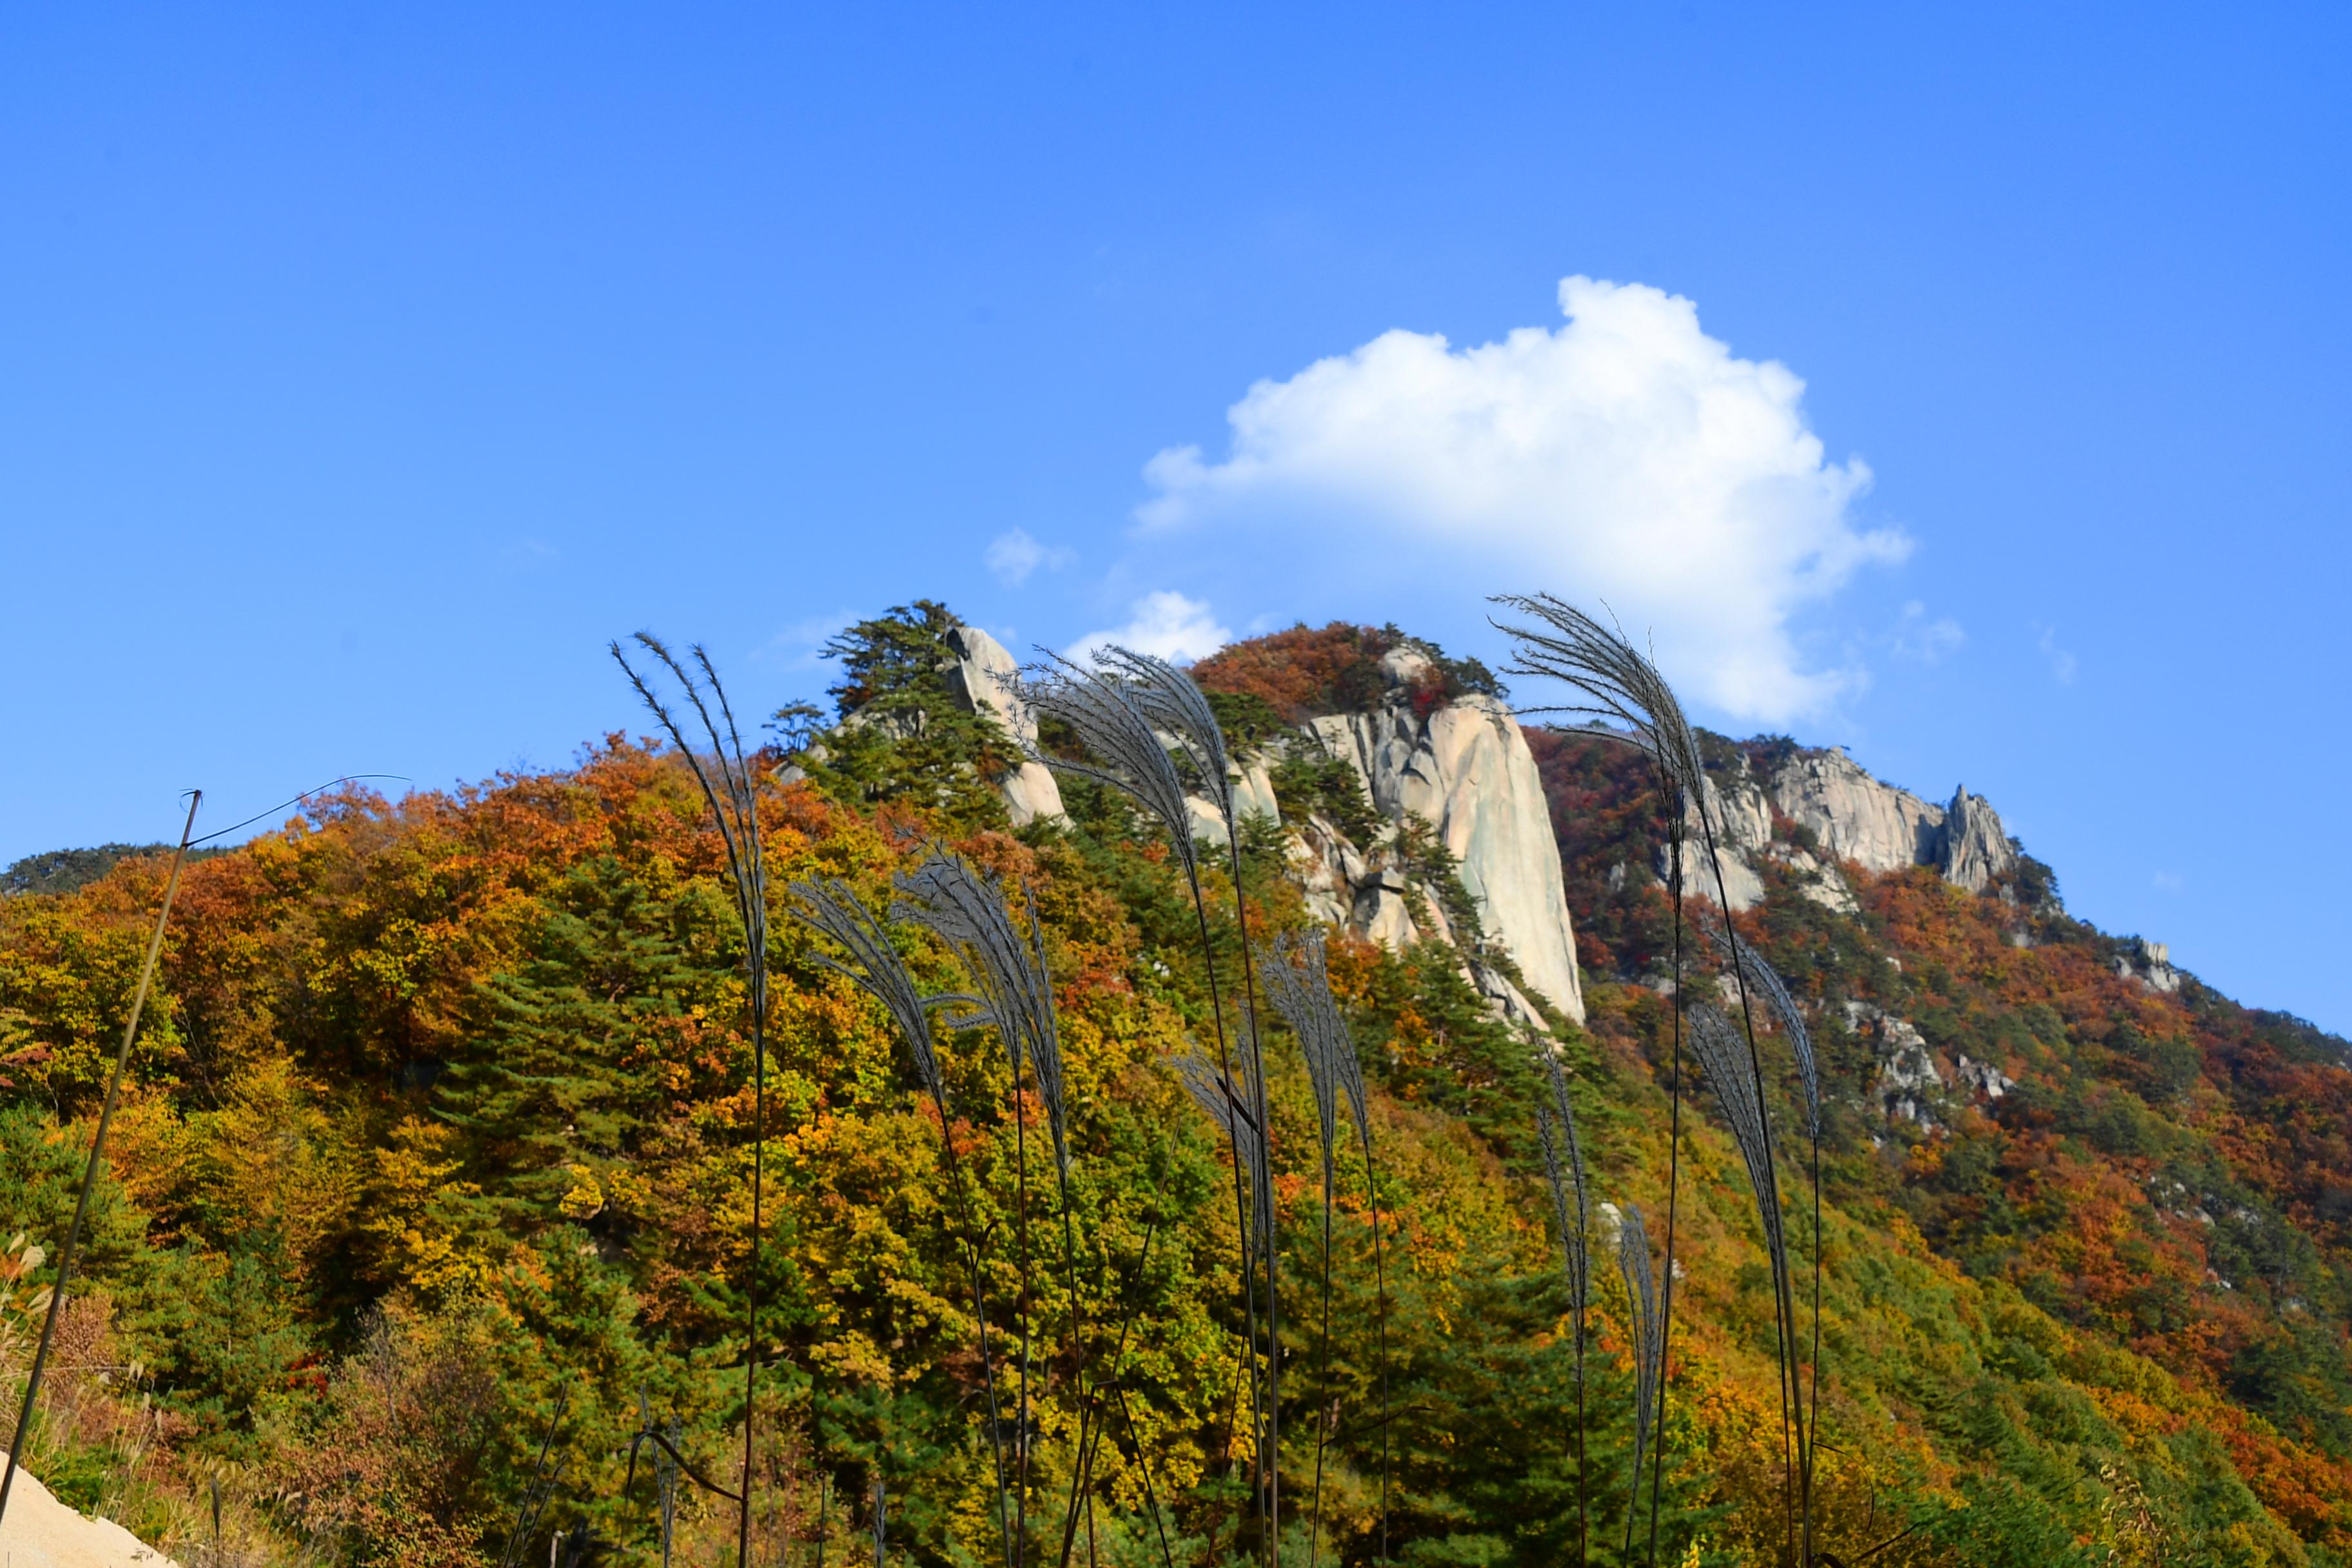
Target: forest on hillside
pixel 422 1235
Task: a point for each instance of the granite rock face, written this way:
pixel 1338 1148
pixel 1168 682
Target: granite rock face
pixel 1909 1086
pixel 1853 816
pixel 2148 962
pixel 1253 786
pixel 1975 848
pixel 1465 769
pixel 982 679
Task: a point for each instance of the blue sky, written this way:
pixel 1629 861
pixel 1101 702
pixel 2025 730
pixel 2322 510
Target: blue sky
pixel 362 373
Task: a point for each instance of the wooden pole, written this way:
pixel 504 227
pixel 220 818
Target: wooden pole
pixel 97 1152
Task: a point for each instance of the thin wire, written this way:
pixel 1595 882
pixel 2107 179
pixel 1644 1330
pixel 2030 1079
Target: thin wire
pixel 347 778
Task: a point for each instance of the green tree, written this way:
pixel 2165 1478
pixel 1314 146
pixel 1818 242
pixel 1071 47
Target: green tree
pixel 568 1067
pixel 905 734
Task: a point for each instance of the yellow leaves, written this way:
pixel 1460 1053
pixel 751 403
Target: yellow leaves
pixel 628 1191
pixel 271 1156
pixel 149 1149
pixel 855 1358
pixel 584 1198
pixel 416 1213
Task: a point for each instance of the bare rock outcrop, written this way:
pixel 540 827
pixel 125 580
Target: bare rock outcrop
pixel 1851 817
pixel 1909 1086
pixel 1253 787
pixel 982 681
pixel 1975 848
pixel 2150 963
pixel 1855 816
pixel 1742 818
pixel 1465 769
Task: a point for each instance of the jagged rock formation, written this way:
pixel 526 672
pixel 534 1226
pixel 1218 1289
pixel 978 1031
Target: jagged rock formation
pixel 42 1532
pixel 1852 817
pixel 1909 1086
pixel 1986 1080
pixel 1252 788
pixel 982 679
pixel 1465 771
pixel 2148 962
pixel 1974 848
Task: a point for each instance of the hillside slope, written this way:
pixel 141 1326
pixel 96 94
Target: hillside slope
pixel 433 1178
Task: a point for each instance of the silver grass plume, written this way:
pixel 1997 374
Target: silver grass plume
pixel 1300 988
pixel 1615 684
pixel 1297 984
pixel 1762 980
pixel 1649 1339
pixel 945 895
pixel 1229 1104
pixel 829 906
pixel 1176 708
pixel 1563 1154
pixel 734 803
pixel 1757 977
pixel 1123 749
pixel 1117 709
pixel 1298 978
pixel 1723 1056
pixel 1615 681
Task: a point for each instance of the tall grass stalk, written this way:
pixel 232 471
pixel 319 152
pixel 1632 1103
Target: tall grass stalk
pixel 1298 979
pixel 1649 1351
pixel 1723 1057
pixel 833 907
pixel 1297 984
pixel 1792 1406
pixel 1616 685
pixel 1112 711
pixel 734 806
pixel 1015 995
pixel 1351 1084
pixel 1177 707
pixel 666 1478
pixel 1112 1380
pixel 97 1154
pixel 1758 977
pixel 541 1487
pixel 1563 1154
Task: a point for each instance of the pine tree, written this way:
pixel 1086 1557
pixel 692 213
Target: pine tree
pixel 905 733
pixel 567 1071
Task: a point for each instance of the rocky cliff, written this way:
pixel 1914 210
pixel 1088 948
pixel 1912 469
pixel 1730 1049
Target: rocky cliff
pixel 1844 815
pixel 983 681
pixel 1464 769
pixel 1459 772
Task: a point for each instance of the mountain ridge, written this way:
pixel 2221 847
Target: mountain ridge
pixel 453 1094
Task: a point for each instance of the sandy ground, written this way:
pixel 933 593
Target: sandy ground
pixel 42 1532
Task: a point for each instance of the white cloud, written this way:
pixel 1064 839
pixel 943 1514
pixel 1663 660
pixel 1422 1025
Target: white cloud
pixel 800 646
pixel 1166 624
pixel 1927 642
pixel 1625 457
pixel 1013 557
pixel 2061 663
